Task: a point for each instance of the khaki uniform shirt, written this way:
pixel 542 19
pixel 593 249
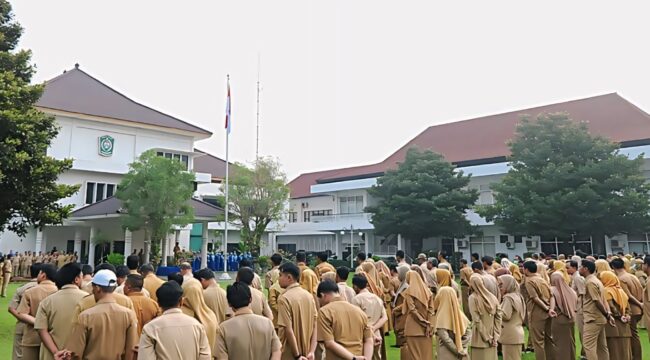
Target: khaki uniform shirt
pixel 535 311
pixel 15 301
pixel 151 284
pixel 120 290
pixel 259 304
pixel 271 276
pixel 55 315
pixel 296 309
pixel 174 335
pixel 29 305
pixel 646 304
pixel 372 306
pixel 578 285
pixel 308 279
pixel 215 298
pixel 594 291
pixel 7 266
pixel 323 268
pixel 247 336
pixel 89 301
pixel 274 294
pixel 105 331
pixel 62 260
pixel 346 292
pixel 145 309
pixel 632 286
pixel 257 282
pixel 344 323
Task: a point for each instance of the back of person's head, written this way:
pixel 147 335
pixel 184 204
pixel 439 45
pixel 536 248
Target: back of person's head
pixel 327 287
pixel 276 259
pixel 121 271
pixel 443 254
pixel 343 272
pixel 49 270
pixel 476 256
pixel 169 294
pixel 617 264
pixel 542 255
pixel 291 269
pixel 477 266
pixel 176 277
pixel 360 281
pixel 602 257
pixel 646 260
pixel 535 256
pixel 399 254
pixel 185 266
pixel 87 269
pixel 530 266
pixel 204 274
pixel 488 260
pixel 67 274
pixel 105 266
pixel 573 264
pixel 132 262
pixel 35 269
pixel 361 256
pixel 463 261
pixel 589 265
pixel 322 256
pixel 238 295
pixel 146 269
pixel 245 275
pixel 433 262
pixel 245 263
pixel 392 267
pixel 135 281
pixel 301 256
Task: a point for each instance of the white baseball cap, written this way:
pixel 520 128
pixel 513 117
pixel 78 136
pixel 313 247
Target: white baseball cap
pixel 105 278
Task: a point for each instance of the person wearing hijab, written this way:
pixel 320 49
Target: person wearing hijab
pixel 514 271
pixel 399 319
pixel 505 263
pixel 194 305
pixel 538 305
pixel 387 288
pixel 618 337
pixel 513 308
pixel 486 320
pixel 501 271
pixel 368 270
pixel 578 285
pixel 560 267
pixel 634 291
pixel 563 314
pixel 602 265
pixel 420 319
pixel 445 278
pixel 465 273
pixel 452 326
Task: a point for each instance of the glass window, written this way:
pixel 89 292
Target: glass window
pixel 160 153
pixel 186 161
pixel 307 216
pixel 90 191
pixel 168 155
pixel 177 157
pixel 351 205
pixel 100 192
pixel 110 189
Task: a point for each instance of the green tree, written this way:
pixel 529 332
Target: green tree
pixel 28 190
pixel 565 182
pixel 257 196
pixel 425 197
pixel 155 194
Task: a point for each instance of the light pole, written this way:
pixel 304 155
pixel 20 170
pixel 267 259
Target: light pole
pixel 351 243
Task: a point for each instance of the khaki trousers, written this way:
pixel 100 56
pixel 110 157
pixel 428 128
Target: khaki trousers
pixel 580 323
pixel 17 352
pixel 636 341
pixel 5 283
pixel 595 342
pixel 31 352
pixel 540 336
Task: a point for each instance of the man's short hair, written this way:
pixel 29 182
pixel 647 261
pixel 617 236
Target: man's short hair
pixel 35 269
pixel 49 270
pixel 121 271
pixel 442 254
pixel 245 275
pixel 322 256
pixel 245 263
pixel 361 256
pixel 185 266
pixel 291 269
pixel 135 281
pixel 67 274
pixel 476 256
pixel 573 264
pixel 477 266
pixel 146 269
pixel 276 259
pixel 463 261
pixel 602 257
pixel 530 266
pixel 589 265
pixel 343 272
pixel 399 254
pixel 132 262
pixel 488 260
pixel 326 287
pixel 169 294
pixel 176 277
pixel 392 267
pixel 105 266
pixel 360 281
pixel 301 256
pixel 204 274
pixel 617 264
pixel 646 260
pixel 238 295
pixel 87 269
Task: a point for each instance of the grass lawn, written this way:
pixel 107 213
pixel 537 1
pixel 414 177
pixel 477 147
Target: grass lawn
pixel 7 323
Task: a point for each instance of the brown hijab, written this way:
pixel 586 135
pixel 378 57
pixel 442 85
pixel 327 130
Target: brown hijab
pixel 514 271
pixel 449 316
pixel 565 297
pixel 417 288
pixel 444 277
pixel 513 295
pixel 369 271
pixel 485 301
pixel 465 274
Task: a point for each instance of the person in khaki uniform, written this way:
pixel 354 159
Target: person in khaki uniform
pixel 308 278
pixel 563 315
pixel 214 295
pixel 342 327
pixel 538 305
pixel 272 275
pixel 122 272
pixel 151 281
pixel 5 271
pixel 345 291
pixel 418 310
pixel 173 335
pixel 399 319
pixel 513 307
pixel 645 267
pixel 194 305
pixel 258 304
pixel 15 263
pixel 486 320
pixel 578 285
pixel 55 313
pixel 296 316
pixel 634 291
pixel 246 336
pixel 105 331
pixel 145 308
pixel 28 307
pixel 452 326
pixel 274 294
pixel 373 307
pixel 322 265
pixel 596 314
pixel 619 336
pixel 17 352
pixel 27 264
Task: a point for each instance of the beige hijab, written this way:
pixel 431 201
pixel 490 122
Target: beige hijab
pixel 329 276
pixel 402 270
pixel 485 301
pixel 513 295
pixel 565 297
pixel 465 274
pixel 369 271
pixel 417 288
pixel 449 316
pixel 194 305
pixel 601 265
pixel 560 267
pixel 444 277
pixel 382 268
pixel 613 290
pixel 514 270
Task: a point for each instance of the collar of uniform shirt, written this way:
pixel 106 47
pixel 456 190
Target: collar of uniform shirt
pixel 70 286
pixel 243 311
pixel 292 286
pixel 136 293
pixel 106 300
pixel 172 311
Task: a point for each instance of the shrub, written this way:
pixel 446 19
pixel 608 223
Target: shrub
pixel 115 259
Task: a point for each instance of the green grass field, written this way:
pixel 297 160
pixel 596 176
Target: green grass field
pixel 7 323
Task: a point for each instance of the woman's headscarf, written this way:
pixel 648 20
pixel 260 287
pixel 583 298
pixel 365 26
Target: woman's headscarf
pixel 565 298
pixel 560 267
pixel 505 263
pixel 444 277
pixel 485 301
pixel 465 274
pixel 382 269
pixel 501 272
pixel 513 295
pixel 627 265
pixel 514 270
pixel 417 288
pixel 613 289
pixel 602 265
pixel 577 259
pixel 449 316
pixel 402 270
pixel 195 306
pixel 369 271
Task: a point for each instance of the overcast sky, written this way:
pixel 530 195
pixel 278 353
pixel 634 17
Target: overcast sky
pixel 344 83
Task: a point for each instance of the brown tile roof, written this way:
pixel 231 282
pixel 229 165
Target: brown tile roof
pixel 76 91
pixel 484 139
pixel 210 164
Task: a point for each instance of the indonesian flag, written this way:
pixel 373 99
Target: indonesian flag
pixel 228 119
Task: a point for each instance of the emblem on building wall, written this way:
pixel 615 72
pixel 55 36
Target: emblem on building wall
pixel 106 144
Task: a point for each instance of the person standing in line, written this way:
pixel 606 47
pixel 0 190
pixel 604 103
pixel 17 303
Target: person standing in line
pixel 645 267
pixel 274 295
pixel 145 308
pixel 489 281
pixel 55 313
pixel 246 336
pixel 173 335
pixel 345 291
pixel 194 305
pixel 420 320
pixel 5 271
pixel 122 271
pixel 258 303
pixel 186 271
pixel 634 291
pixel 322 265
pixel 308 279
pixel 538 305
pixel 342 327
pixel 465 273
pixel 486 320
pixel 619 336
pixel 151 281
pixel 214 295
pixel 384 278
pixel 373 306
pixel 400 258
pixel 513 307
pixel 296 316
pixel 28 307
pixel 132 263
pixel 578 285
pixel 563 313
pixel 17 352
pixel 596 314
pixel 105 331
pixel 399 311
pixel 257 281
pixel 89 301
pixel 86 281
pixel 452 326
pixel 272 275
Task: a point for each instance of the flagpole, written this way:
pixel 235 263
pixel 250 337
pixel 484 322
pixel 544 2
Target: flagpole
pixel 225 275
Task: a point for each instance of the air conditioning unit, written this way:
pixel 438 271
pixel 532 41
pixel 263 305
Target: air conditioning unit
pixel 617 244
pixel 510 244
pixel 531 244
pixel 462 243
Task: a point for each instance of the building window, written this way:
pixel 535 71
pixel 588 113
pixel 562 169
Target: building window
pixel 184 159
pixel 350 204
pixel 98 191
pixel 293 217
pixel 308 214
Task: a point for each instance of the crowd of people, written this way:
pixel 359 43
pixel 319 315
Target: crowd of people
pixel 127 312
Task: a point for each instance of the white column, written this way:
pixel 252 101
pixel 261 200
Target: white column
pixel 399 242
pixel 39 241
pixel 147 246
pixel 91 246
pixel 77 240
pixel 128 243
pixel 366 243
pixel 204 246
pixel 163 250
pixel 337 248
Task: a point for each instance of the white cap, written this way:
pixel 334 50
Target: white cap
pixel 105 278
